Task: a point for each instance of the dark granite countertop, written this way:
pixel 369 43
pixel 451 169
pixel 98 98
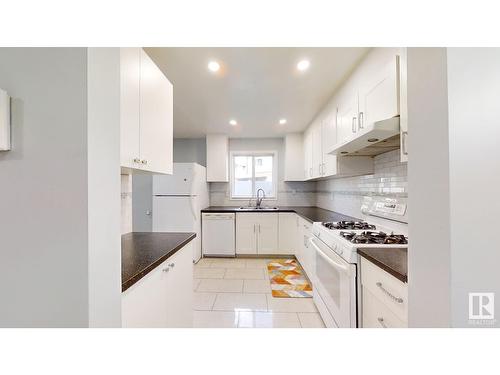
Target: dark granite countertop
pixel 144 251
pixel 311 214
pixel 391 260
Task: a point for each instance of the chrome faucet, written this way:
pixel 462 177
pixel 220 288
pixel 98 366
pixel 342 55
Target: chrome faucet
pixel 258 203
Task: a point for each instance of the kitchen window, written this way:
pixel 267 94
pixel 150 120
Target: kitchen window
pixel 251 171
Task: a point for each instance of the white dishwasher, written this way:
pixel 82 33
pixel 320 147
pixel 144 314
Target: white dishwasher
pixel 217 234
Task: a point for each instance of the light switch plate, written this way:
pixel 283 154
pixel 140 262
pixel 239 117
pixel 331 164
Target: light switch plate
pixel 4 121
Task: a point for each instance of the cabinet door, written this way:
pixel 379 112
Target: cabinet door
pixel 403 104
pixel 329 139
pixel 179 295
pixel 288 238
pixel 267 229
pixel 308 144
pixel 130 73
pixel 294 157
pixel 217 158
pixel 144 304
pixel 379 93
pixel 156 118
pixel 347 118
pixel 307 250
pixel 317 153
pixel 246 233
pixel 305 234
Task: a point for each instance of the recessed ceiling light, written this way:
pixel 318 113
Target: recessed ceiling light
pixel 303 65
pixel 233 122
pixel 213 66
pixel 283 121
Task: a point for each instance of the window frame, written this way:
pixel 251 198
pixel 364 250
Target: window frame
pixel 254 154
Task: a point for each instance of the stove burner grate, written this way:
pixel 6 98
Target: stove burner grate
pixel 349 225
pixel 370 237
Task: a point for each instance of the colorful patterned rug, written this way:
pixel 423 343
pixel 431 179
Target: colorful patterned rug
pixel 288 280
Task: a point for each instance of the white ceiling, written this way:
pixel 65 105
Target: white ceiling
pixel 255 86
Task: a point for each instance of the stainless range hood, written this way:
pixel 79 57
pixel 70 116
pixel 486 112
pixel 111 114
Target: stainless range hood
pixel 381 136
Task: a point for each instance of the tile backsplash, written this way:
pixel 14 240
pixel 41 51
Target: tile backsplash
pixel 342 195
pixel 126 203
pixel 346 194
pixel 289 194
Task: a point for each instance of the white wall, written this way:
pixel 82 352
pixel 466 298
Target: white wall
pixel 474 135
pixel 289 193
pixel 142 202
pixel 103 157
pixel 43 225
pixel 49 243
pixel 428 188
pixel 190 150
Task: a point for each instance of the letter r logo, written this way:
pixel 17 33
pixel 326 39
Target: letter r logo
pixel 481 305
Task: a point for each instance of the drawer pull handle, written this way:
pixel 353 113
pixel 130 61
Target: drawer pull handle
pixel 396 299
pixel 166 269
pixel 171 265
pixel 381 322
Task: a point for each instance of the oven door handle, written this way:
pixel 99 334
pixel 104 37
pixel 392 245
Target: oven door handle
pixel 339 266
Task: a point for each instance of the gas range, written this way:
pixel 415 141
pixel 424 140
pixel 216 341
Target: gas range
pixel 335 244
pixel 345 237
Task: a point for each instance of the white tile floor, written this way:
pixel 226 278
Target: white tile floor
pixel 236 293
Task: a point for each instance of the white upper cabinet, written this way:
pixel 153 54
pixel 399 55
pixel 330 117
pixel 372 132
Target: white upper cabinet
pixel 328 139
pixel 308 154
pixel 375 91
pixel 317 153
pixel 156 121
pixel 319 139
pixel 146 103
pixel 379 93
pixel 217 158
pixel 130 78
pixel 294 157
pixel 347 117
pixel 403 105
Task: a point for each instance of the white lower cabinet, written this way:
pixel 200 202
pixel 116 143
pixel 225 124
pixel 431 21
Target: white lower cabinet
pixel 256 233
pixel 246 233
pixel 385 298
pixel 162 298
pixel 267 233
pixel 305 253
pixel 288 233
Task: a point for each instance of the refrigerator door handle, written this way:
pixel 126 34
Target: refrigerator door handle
pixel 193 210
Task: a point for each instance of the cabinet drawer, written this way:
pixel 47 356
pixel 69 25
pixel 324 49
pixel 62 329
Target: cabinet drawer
pixel 386 288
pixel 377 315
pixel 307 226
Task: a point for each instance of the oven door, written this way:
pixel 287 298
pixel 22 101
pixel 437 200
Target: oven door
pixel 336 284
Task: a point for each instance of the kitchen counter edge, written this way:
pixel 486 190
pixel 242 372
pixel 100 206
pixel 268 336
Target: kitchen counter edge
pixel 166 251
pixel 392 260
pixel 309 213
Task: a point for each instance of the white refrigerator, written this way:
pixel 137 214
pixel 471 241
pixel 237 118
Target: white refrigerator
pixel 178 200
